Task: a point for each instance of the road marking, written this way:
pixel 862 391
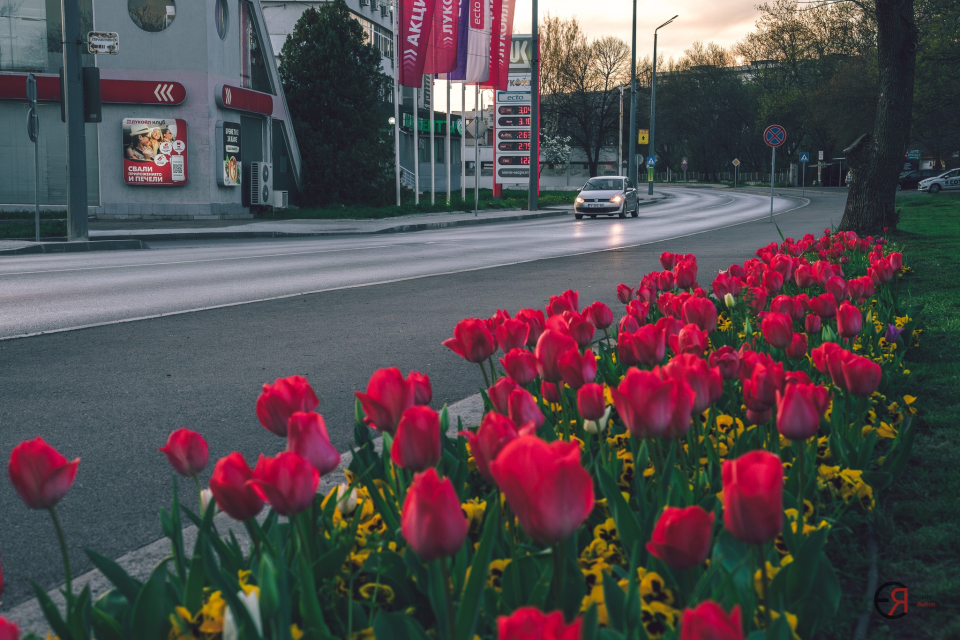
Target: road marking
pixel 806 201
pixel 163 264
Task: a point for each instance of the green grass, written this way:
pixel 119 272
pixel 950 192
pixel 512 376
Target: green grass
pixel 917 522
pixel 17 225
pixel 510 200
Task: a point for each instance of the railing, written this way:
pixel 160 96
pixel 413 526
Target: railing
pixel 407 178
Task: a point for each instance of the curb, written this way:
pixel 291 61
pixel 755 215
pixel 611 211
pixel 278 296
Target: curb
pixel 402 228
pixel 107 244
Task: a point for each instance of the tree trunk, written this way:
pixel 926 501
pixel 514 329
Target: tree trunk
pixel 876 160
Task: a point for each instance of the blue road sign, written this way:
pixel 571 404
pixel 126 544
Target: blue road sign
pixel 804 156
pixel 651 161
pixel 774 135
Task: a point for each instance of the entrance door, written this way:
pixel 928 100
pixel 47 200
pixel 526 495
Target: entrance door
pixel 251 132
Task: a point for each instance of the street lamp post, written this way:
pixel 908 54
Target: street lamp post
pixel 534 184
pixel 653 106
pixel 632 140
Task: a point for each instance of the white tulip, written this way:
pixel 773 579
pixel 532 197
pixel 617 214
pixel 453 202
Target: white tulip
pixel 729 301
pixel 252 602
pixel 597 426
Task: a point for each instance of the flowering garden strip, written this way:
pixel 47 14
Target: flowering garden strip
pixel 681 472
pixel 917 523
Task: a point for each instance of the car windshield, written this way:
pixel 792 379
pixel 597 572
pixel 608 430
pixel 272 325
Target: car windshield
pixel 604 184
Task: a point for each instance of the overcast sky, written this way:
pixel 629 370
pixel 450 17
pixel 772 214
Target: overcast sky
pixel 721 21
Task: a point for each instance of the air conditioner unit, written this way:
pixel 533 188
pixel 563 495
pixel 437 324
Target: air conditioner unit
pixel 384 10
pixel 281 199
pixel 261 184
pixel 364 3
pixel 373 5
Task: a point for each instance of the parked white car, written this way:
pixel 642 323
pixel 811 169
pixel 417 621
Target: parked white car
pixel 943 182
pixel 607 196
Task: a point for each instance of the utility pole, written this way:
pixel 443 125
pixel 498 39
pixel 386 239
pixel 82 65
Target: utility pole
pixel 534 114
pixel 73 108
pixel 620 144
pixel 632 139
pixel 653 106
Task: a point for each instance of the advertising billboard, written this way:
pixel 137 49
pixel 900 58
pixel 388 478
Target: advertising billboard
pixel 228 141
pixel 154 151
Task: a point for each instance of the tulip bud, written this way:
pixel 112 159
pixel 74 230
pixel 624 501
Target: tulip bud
pixel 682 537
pixel 187 452
pixel 709 620
pixel 8 630
pixel 812 324
pixel 527 623
pixel 416 444
pixel 346 499
pixel 472 340
pixel 849 320
pixel 422 390
pixel 281 399
pixel 520 365
pixel 229 486
pixel 433 523
pixel 590 401
pixel 251 602
pixel 307 436
pixel 753 496
pixel 40 474
pixel 206 496
pixel 600 425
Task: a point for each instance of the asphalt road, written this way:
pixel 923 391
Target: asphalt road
pixel 110 394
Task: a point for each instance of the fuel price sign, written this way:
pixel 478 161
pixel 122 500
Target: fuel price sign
pixel 514 120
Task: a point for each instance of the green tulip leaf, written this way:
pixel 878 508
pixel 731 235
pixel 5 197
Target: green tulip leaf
pixel 149 609
pixel 397 626
pixel 613 597
pixel 127 586
pixel 105 626
pixel 469 609
pixel 51 612
pixel 628 527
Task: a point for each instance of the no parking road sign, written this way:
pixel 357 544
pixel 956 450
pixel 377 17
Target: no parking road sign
pixel 774 135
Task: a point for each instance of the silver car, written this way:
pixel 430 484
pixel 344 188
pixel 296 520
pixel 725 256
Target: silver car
pixel 607 196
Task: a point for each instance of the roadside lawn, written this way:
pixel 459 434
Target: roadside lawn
pixel 511 200
pixel 16 225
pixel 916 524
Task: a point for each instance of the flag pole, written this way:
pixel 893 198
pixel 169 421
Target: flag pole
pixel 433 146
pixel 416 146
pixel 447 148
pixel 476 154
pixel 463 141
pixel 396 97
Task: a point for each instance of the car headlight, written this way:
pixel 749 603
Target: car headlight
pixel 616 199
pixel 579 199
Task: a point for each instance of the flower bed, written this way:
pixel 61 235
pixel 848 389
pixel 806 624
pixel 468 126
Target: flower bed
pixel 673 474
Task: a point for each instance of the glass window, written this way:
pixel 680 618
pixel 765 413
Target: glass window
pixel 603 184
pixel 152 15
pixel 221 16
pixel 30 37
pixel 253 65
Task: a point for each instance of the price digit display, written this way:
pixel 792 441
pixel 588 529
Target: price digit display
pixel 513 160
pixel 513 135
pixel 514 146
pixel 514 109
pixel 514 121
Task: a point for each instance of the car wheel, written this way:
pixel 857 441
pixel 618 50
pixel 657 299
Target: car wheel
pixel 622 214
pixel 934 189
pixel 636 211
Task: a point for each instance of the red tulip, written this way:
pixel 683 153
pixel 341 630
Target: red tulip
pixel 855 289
pixel 416 445
pixel 628 324
pixel 724 284
pixel 772 282
pixel 187 452
pixel 682 537
pixel 535 320
pixel 471 340
pixel 307 436
pixel 549 392
pixel 784 265
pixel 701 312
pixel 40 474
pixel 760 389
pixel 666 280
pixel 757 299
pixel 287 481
pixel 824 305
pixel 575 369
pixel 727 360
pixel 524 409
pixel 753 496
pixel 896 261
pixel 647 346
pixel 569 300
pixel 638 311
pixel 545 485
pixel 580 328
pixel 837 287
pixel 690 340
pixel 10 631
pixel 432 522
pixel 651 407
pixel 812 324
pixel 798 346
pixel 882 269
pixel 529 623
pixel 799 409
pixel 849 320
pixel 777 329
pixel 786 304
pixel 861 375
pixel 550 347
pixel 512 334
pixel 803 276
pixel 820 356
pixel 624 293
pixel 669 260
pixel 494 433
pixel 499 393
pixel 599 315
pixel 229 487
pixel 520 365
pixel 823 271
pixel 590 401
pixel 388 396
pixel 685 272
pixel 709 622
pixel 706 381
pixel 422 389
pixel 280 400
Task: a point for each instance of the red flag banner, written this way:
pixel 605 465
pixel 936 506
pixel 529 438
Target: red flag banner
pixel 416 19
pixel 442 51
pixel 493 62
pixel 504 41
